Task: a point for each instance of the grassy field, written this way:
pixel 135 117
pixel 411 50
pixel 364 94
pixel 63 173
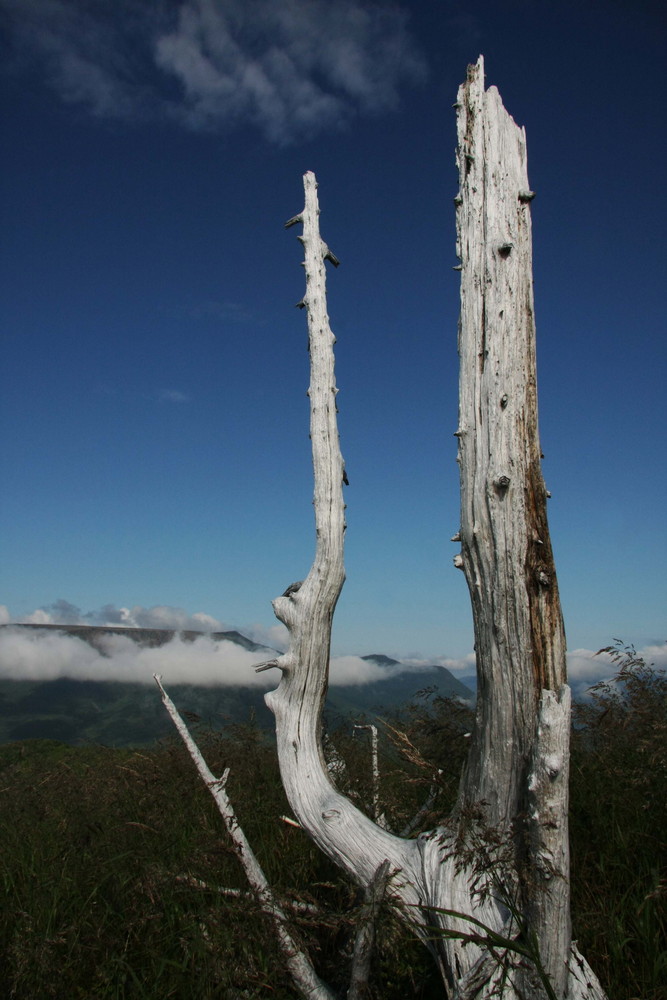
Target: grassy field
pixel 113 859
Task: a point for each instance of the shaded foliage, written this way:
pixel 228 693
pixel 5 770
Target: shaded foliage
pixel 113 859
pixel 618 819
pixel 111 865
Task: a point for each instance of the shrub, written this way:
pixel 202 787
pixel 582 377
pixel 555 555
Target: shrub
pixel 618 818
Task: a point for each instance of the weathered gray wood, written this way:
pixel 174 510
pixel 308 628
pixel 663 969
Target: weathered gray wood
pixel 505 546
pixel 548 845
pixel 343 832
pixel 515 784
pixel 494 928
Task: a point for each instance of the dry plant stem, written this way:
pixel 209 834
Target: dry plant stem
pixel 496 922
pixel 365 936
pixel 375 771
pixel 305 979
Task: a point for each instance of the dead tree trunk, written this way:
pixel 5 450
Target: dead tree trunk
pixel 489 890
pixel 505 547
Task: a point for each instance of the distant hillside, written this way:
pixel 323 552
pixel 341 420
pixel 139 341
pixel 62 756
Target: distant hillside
pixel 396 690
pixel 122 714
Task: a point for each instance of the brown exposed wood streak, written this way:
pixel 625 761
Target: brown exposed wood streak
pixel 541 585
pixel 482 350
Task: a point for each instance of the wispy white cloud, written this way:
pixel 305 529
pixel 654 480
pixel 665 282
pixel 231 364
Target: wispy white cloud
pixel 90 53
pixel 288 68
pixel 227 312
pixel 586 667
pixel 47 654
pixel 35 654
pixel 273 636
pixel 62 612
pixel 159 616
pixel 173 396
pixel 458 665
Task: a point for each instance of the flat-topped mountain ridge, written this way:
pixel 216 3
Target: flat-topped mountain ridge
pixel 151 637
pixel 121 712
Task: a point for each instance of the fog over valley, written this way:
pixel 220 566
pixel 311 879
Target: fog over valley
pixel 129 645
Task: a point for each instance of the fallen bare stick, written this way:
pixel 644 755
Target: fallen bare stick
pixel 306 980
pixel 297 905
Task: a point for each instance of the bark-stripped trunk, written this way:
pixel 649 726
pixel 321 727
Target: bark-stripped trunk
pixel 505 547
pixel 339 828
pixel 512 937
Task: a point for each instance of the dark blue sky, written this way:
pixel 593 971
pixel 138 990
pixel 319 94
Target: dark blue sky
pixel 155 440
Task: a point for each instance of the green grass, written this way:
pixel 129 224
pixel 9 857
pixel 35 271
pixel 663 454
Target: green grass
pixel 103 851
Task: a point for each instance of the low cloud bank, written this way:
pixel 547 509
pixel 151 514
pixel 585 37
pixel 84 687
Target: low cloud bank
pixel 585 667
pixel 46 655
pixel 355 670
pixel 31 654
pixel 62 612
pixel 34 654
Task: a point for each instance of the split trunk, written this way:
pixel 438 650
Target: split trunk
pixel 488 891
